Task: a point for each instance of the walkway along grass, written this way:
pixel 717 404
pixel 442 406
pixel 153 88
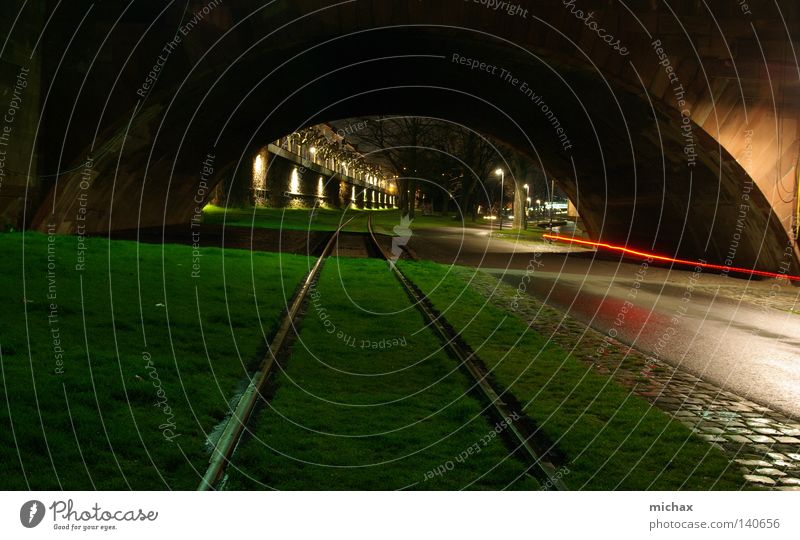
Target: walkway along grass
pixel 85 402
pixel 611 438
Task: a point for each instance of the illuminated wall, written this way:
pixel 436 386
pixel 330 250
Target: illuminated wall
pixel 280 182
pixel 259 183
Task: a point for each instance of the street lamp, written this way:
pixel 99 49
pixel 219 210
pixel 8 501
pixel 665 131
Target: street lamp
pixel 501 173
pixel 527 206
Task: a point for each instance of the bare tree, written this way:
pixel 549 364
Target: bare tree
pixel 403 144
pixel 477 156
pixel 458 160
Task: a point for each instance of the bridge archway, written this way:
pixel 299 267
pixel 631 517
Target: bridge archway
pixel 640 170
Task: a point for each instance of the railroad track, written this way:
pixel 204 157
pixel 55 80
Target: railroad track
pixel 527 445
pixel 237 422
pixel 522 433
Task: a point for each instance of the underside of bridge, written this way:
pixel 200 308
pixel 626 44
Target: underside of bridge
pixel 672 130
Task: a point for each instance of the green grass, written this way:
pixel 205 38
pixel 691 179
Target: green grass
pixel 324 219
pixel 347 417
pixel 96 425
pixel 611 438
pixel 302 219
pixel 533 234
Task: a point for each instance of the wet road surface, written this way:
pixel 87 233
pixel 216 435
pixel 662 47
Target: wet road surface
pixel 690 319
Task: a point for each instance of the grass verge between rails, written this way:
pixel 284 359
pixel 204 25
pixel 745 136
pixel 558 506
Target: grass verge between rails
pixel 347 415
pixel 611 438
pixel 84 402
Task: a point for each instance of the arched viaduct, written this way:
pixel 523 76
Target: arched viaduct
pixel 672 125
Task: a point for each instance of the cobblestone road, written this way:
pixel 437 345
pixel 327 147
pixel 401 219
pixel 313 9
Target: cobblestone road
pixel 764 444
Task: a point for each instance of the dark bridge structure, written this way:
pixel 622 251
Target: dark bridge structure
pixel 672 126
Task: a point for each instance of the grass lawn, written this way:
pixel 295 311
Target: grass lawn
pixel 611 438
pixel 347 417
pixel 286 218
pixel 533 234
pixel 119 388
pixel 113 374
pixel 326 219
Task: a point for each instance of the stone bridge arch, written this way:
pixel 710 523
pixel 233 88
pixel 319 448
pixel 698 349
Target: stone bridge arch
pixel 652 163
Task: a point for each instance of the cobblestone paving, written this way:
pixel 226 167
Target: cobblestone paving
pixel 764 444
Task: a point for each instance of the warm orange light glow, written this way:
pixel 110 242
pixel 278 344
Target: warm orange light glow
pixel 663 258
pixel 259 173
pixel 294 182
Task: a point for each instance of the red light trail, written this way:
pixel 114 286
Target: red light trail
pixel 655 257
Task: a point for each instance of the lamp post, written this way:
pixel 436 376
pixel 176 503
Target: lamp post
pixel 502 174
pixel 527 205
